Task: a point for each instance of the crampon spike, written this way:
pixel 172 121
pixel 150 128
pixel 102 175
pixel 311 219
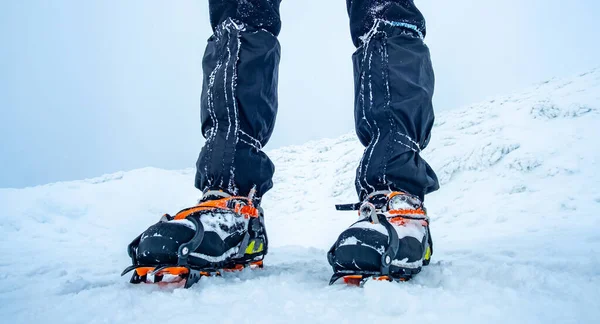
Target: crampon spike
pixel 143 271
pixel 239 267
pixel 359 279
pixel 257 265
pixel 355 280
pixel 150 274
pixel 235 268
pixel 175 273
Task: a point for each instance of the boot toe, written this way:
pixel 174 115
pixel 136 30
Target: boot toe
pixel 361 246
pixel 160 243
pixel 360 249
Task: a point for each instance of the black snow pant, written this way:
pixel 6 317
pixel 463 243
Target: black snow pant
pixel 393 79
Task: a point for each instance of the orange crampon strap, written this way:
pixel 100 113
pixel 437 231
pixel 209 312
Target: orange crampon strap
pixel 402 216
pixel 407 212
pixel 401 221
pixel 247 210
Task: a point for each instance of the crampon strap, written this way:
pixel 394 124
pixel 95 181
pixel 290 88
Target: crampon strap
pixel 239 205
pixel 348 207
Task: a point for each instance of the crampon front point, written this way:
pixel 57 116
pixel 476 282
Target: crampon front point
pixel 359 278
pixel 173 274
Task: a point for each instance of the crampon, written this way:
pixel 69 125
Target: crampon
pixel 359 278
pixel 390 242
pixel 222 234
pixel 182 275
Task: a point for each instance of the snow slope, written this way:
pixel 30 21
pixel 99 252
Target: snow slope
pixel 515 226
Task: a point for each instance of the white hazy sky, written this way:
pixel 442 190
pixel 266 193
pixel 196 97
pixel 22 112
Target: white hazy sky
pixel 92 87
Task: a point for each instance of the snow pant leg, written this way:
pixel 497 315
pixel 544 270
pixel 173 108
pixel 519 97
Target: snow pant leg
pixel 364 13
pixel 394 84
pixel 239 100
pixel 261 14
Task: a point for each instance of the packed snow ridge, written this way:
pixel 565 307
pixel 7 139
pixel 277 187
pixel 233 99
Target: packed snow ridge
pixel 516 230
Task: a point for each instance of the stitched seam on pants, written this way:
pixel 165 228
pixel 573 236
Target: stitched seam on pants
pixel 364 117
pixel 233 188
pixel 230 101
pixel 385 76
pixel 227 52
pixel 362 102
pixel 374 143
pixel 211 109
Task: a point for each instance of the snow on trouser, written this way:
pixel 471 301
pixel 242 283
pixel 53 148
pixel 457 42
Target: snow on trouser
pixel 239 101
pixel 394 85
pixel 393 90
pixel 222 233
pixel 391 240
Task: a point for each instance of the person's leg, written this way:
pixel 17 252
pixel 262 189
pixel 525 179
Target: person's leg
pixel 394 84
pixel 226 229
pixel 394 116
pixel 239 96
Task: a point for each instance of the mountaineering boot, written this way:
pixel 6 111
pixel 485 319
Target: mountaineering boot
pixel 220 233
pixel 390 241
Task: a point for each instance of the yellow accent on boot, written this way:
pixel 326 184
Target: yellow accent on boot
pixel 252 248
pixel 428 253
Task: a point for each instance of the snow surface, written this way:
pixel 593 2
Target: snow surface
pixel 516 231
